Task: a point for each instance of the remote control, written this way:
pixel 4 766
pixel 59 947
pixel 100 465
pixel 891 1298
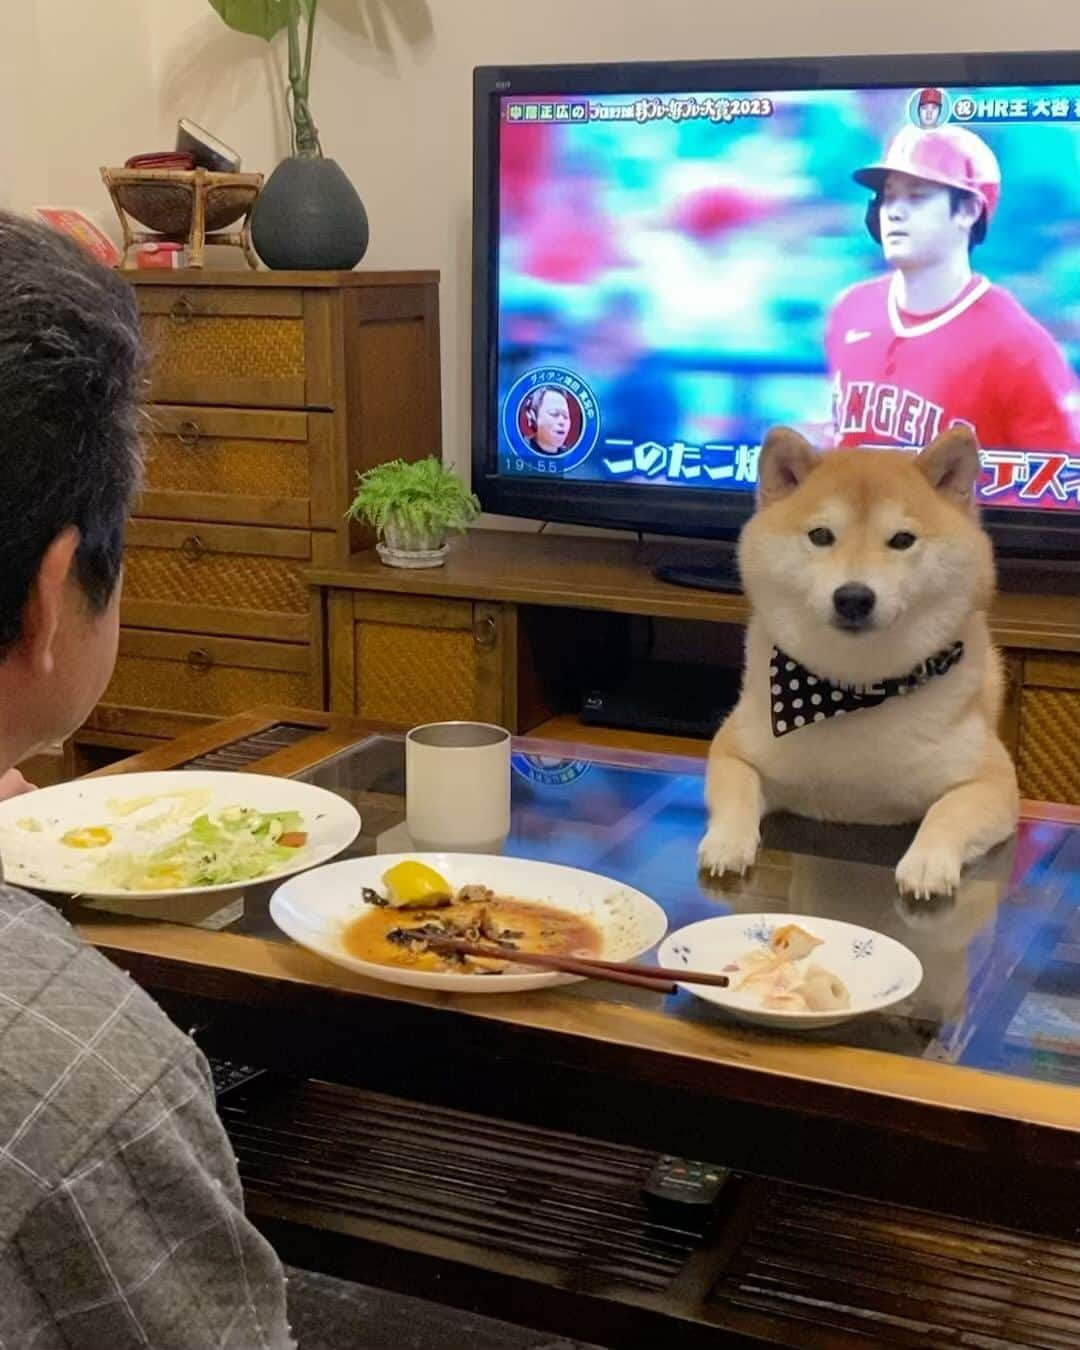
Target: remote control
pixel 685 1183
pixel 228 1076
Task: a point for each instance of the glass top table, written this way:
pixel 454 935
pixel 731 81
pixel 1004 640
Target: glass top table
pixel 1001 959
pixel 994 1029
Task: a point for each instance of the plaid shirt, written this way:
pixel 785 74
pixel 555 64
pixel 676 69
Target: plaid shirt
pixel 121 1216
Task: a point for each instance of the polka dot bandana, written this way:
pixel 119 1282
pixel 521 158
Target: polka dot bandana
pixel 799 698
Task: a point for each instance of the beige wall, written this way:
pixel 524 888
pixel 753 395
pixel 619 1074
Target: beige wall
pixel 392 92
pixel 75 79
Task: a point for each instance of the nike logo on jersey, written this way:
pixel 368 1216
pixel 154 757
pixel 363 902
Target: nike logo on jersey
pixel 854 335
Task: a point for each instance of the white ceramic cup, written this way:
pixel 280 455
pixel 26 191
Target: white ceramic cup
pixel 457 787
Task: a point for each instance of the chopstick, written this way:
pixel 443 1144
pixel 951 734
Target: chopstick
pixel 660 979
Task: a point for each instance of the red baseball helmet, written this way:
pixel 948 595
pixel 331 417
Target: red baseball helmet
pixel 931 97
pixel 949 155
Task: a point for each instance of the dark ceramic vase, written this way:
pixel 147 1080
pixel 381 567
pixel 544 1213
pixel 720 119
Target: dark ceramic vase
pixel 309 216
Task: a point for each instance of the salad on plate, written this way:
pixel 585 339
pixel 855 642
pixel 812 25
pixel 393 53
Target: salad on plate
pixel 235 845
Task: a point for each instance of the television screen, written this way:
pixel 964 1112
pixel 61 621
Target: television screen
pixel 674 273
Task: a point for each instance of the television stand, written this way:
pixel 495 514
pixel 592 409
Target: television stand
pixel 519 628
pixel 720 573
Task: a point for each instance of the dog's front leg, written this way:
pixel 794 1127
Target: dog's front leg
pixel 735 800
pixel 961 826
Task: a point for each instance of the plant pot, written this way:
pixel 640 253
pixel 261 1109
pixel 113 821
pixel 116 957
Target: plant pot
pixel 405 546
pixel 309 217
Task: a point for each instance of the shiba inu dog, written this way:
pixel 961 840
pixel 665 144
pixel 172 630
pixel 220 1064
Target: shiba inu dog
pixel 871 690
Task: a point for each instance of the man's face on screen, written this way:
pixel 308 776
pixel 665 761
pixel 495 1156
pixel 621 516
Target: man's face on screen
pixel 552 422
pixel 918 225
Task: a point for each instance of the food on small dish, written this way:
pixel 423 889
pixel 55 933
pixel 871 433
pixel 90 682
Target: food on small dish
pixel 792 943
pixel 822 991
pixel 397 932
pixel 847 971
pixel 781 976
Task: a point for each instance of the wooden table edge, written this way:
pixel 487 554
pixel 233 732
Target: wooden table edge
pixel 827 1067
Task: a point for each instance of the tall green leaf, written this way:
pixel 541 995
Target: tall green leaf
pixel 260 18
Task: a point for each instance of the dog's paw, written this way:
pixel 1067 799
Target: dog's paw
pixel 724 851
pixel 926 871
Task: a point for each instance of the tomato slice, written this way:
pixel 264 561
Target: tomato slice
pixel 292 839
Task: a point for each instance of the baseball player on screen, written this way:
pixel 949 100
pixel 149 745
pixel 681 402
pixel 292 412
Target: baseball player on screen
pixel 932 344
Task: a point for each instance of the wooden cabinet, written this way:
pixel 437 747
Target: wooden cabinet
pixel 1048 749
pixel 269 392
pixel 412 659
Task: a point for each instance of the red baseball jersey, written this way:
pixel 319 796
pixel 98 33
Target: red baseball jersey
pixel 899 379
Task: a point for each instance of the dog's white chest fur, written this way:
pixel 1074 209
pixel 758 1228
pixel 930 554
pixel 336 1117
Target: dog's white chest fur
pixel 877 765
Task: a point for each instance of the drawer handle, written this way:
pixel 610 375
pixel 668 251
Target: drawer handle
pixel 200 660
pixel 183 311
pixel 485 633
pixel 193 549
pixel 188 433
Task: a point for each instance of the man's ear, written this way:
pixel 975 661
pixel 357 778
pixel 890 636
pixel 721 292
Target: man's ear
pixel 786 460
pixel 951 465
pixel 44 605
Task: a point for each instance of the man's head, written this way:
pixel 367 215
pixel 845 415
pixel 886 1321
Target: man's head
pixel 547 412
pixel 930 107
pixel 935 192
pixel 70 382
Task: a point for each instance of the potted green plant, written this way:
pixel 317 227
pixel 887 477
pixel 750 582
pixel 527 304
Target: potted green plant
pixel 413 507
pixel 308 215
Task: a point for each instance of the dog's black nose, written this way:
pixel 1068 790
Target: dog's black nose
pixel 854 603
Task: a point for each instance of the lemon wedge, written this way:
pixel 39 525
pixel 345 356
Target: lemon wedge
pixel 411 885
pixel 93 836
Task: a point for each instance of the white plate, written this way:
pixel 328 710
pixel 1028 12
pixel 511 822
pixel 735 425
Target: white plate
pixel 38 860
pixel 315 909
pixel 877 970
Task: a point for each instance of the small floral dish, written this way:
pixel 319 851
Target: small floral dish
pixel 795 971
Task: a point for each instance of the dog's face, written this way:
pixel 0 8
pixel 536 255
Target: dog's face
pixel 862 563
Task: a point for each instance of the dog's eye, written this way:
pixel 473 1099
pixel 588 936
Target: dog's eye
pixel 821 537
pixel 902 539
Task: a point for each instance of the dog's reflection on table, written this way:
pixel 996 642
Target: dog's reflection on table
pixel 846 872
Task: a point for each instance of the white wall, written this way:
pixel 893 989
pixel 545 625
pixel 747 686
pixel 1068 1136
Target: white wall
pixel 392 92
pixel 76 81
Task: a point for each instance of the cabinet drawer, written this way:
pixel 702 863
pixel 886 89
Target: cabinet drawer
pixel 237 346
pixel 203 675
pixel 408 660
pixel 230 579
pixel 239 466
pixel 1047 762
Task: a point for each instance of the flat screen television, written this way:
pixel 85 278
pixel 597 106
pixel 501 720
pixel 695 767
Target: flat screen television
pixel 670 258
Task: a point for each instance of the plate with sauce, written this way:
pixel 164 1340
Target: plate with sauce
pixel 372 915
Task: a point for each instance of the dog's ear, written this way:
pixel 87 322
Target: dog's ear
pixel 951 465
pixel 786 460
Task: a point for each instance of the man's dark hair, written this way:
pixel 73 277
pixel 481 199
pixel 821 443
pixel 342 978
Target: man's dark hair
pixel 70 386
pixel 959 197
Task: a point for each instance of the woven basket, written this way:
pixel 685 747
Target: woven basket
pixel 162 200
pixel 185 205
